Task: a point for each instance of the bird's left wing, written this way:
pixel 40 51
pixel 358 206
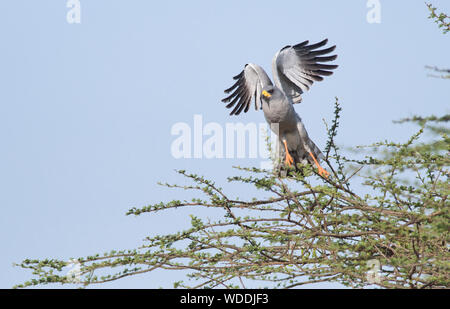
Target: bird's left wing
pixel 249 85
pixel 295 68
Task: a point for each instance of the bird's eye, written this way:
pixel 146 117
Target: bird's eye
pixel 270 91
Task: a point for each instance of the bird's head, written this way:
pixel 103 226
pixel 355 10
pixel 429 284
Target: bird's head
pixel 270 92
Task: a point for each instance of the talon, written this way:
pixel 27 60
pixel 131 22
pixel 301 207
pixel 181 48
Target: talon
pixel 322 171
pixel 289 160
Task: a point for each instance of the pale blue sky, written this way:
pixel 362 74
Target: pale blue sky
pixel 86 109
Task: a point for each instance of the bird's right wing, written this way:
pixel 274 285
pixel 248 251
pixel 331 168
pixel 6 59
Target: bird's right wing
pixel 249 85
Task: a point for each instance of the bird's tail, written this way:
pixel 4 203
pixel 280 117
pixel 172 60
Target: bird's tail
pixel 301 155
pixel 304 157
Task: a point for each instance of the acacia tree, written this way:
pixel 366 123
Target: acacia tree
pixel 381 220
pixel 395 236
pixel 441 19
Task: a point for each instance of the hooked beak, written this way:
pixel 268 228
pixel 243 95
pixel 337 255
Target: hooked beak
pixel 266 94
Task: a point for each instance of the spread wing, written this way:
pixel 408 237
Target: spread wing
pixel 248 86
pixel 296 68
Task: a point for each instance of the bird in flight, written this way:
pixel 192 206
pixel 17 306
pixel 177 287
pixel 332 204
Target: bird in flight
pixel 295 69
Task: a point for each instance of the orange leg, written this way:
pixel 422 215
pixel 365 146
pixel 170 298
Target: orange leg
pixel 322 171
pixel 289 160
